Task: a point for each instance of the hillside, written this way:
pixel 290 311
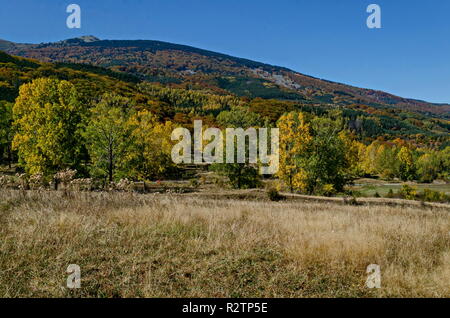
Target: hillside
pixel 182 105
pixel 188 67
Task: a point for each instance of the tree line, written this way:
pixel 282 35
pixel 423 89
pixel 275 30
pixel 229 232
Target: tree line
pixel 50 128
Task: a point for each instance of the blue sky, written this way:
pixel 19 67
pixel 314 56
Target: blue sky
pixel 409 56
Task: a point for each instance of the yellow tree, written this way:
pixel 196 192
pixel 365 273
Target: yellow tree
pixel 354 153
pixel 294 138
pixel 149 155
pixel 406 169
pixel 369 158
pixel 47 116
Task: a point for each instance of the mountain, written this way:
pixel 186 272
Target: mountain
pixel 183 105
pixel 189 67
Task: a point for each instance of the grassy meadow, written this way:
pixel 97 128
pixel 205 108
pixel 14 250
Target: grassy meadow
pixel 369 187
pixel 163 245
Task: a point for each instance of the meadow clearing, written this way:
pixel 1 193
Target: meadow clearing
pixel 168 245
pixel 369 187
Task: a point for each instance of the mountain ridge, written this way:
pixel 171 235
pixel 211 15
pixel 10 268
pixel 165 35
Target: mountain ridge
pixel 176 64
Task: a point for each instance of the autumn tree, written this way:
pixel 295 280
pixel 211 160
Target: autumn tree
pixel 149 153
pixel 406 164
pixel 47 118
pixel 369 158
pixel 380 158
pixel 386 162
pixel 108 136
pixel 444 159
pixel 428 166
pixel 294 139
pixel 312 154
pixel 354 154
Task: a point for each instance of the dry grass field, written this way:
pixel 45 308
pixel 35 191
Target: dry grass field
pixel 160 245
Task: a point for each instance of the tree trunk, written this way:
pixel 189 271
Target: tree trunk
pixel 291 187
pixel 239 176
pixel 9 156
pixel 110 167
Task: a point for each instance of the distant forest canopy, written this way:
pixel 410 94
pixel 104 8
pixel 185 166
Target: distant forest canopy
pixel 183 104
pixel 188 67
pixel 56 116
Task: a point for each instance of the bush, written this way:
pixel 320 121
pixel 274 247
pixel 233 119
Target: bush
pixel 86 184
pixel 194 183
pixel 390 194
pixel 351 201
pixel 36 181
pixel 9 182
pixel 123 185
pixel 327 190
pixel 407 192
pixel 434 196
pixel 274 195
pixel 240 176
pixel 64 178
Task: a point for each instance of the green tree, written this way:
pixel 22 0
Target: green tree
pixel 313 154
pixel 428 166
pixel 47 118
pixel 239 117
pixel 107 135
pixel 386 161
pixel 325 161
pixel 6 130
pixel 241 175
pixel 444 164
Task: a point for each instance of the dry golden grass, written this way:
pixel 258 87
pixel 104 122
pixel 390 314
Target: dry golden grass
pixel 130 245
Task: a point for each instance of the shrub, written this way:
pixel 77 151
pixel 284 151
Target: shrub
pixel 124 185
pixel 274 195
pixel 241 176
pixel 23 181
pixel 434 196
pixel 194 183
pixel 407 192
pixel 9 182
pixel 390 194
pixel 64 177
pixel 327 190
pixel 82 184
pixel 36 181
pixel 351 201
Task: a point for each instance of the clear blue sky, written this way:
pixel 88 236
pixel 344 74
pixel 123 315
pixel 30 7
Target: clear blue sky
pixel 409 56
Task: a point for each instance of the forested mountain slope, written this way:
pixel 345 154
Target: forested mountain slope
pixel 188 67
